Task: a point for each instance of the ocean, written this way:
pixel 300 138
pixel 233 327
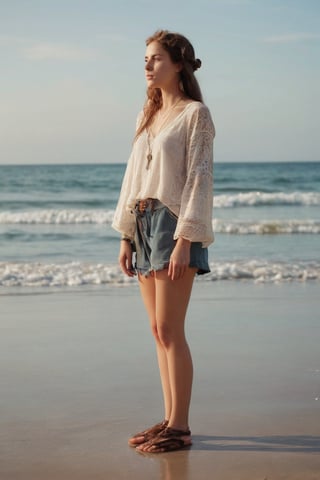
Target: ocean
pixel 55 225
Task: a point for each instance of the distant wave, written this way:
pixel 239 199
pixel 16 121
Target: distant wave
pixel 270 227
pixel 54 217
pixel 101 216
pixel 74 217
pixel 79 274
pixel 254 199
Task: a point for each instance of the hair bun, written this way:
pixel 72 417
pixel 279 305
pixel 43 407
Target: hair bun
pixel 196 64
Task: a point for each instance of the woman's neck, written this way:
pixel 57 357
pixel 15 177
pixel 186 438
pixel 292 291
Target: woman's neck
pixel 170 97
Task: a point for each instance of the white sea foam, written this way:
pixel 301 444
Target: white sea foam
pixel 62 217
pixel 267 227
pixel 59 275
pixel 101 217
pixel 79 274
pixel 261 271
pixel 253 199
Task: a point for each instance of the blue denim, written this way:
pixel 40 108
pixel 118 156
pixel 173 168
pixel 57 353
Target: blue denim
pixel 154 241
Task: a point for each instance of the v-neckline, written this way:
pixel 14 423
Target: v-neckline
pixel 170 123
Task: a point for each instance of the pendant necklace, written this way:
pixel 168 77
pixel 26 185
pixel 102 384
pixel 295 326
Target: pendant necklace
pixel 164 118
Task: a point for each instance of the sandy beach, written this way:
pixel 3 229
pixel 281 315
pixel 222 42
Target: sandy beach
pixel 78 374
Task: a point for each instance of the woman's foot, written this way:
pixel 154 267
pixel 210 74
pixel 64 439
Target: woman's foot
pixel 168 440
pixel 147 434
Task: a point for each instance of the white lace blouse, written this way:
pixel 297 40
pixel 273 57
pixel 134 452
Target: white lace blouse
pixel 180 175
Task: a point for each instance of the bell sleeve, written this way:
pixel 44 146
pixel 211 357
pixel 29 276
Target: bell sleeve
pixel 195 216
pixel 124 219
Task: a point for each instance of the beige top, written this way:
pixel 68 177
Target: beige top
pixel 180 175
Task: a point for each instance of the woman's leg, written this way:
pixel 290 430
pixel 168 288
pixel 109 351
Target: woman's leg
pixel 148 292
pixel 172 298
pixel 171 302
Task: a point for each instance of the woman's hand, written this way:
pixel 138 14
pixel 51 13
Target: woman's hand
pixel 180 259
pixel 125 258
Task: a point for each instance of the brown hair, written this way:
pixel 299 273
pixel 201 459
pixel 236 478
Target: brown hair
pixel 180 51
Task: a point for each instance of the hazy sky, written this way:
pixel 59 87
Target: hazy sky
pixel 72 79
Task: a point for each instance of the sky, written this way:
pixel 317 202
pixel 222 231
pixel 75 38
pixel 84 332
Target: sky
pixel 72 76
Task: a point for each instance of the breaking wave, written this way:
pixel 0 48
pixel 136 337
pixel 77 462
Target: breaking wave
pixel 269 227
pixel 256 199
pixel 78 274
pixel 57 217
pixel 101 217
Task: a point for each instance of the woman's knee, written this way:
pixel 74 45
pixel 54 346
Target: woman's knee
pixel 169 336
pixel 162 334
pixel 154 330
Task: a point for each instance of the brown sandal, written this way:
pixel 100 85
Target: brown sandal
pixel 168 440
pixel 147 434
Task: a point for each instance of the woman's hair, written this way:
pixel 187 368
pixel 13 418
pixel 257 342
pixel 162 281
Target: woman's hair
pixel 180 51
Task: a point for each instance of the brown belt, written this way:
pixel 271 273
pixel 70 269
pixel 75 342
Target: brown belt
pixel 150 203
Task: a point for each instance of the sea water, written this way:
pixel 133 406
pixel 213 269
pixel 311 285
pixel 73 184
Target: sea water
pixel 55 224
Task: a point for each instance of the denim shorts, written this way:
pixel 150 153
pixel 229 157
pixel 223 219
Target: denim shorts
pixel 154 242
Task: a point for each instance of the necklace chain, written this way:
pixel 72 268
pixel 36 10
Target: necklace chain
pixel 164 118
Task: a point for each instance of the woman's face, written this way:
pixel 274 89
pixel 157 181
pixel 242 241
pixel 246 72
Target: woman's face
pixel 160 71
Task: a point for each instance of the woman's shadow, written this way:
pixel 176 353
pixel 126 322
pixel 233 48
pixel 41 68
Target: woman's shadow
pixel 175 465
pixel 272 443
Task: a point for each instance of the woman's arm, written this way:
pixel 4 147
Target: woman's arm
pixel 125 258
pixel 180 259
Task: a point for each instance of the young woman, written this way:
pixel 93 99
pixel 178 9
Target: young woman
pixel 164 214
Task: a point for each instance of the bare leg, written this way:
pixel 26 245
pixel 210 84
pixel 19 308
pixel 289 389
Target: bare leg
pixel 148 292
pixel 168 314
pixel 166 302
pixel 172 298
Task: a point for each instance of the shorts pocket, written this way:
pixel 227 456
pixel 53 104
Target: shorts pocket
pixel 163 225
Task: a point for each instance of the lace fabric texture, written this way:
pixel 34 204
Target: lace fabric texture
pixel 180 175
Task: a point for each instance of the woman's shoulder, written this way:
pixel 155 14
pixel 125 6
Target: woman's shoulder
pixel 196 109
pixel 199 113
pixel 195 105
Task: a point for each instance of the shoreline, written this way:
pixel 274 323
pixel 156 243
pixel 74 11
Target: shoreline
pixel 212 287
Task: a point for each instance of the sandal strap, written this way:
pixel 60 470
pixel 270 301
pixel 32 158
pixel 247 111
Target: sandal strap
pixel 173 432
pixel 151 431
pixel 168 444
pixel 155 428
pixel 170 439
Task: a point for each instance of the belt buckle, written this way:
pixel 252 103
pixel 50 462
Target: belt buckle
pixel 143 205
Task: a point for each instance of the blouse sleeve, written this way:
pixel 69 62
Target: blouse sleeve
pixel 124 219
pixel 195 216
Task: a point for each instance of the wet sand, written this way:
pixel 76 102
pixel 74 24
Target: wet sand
pixel 78 374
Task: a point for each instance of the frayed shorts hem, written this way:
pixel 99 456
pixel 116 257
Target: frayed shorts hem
pixel 147 272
